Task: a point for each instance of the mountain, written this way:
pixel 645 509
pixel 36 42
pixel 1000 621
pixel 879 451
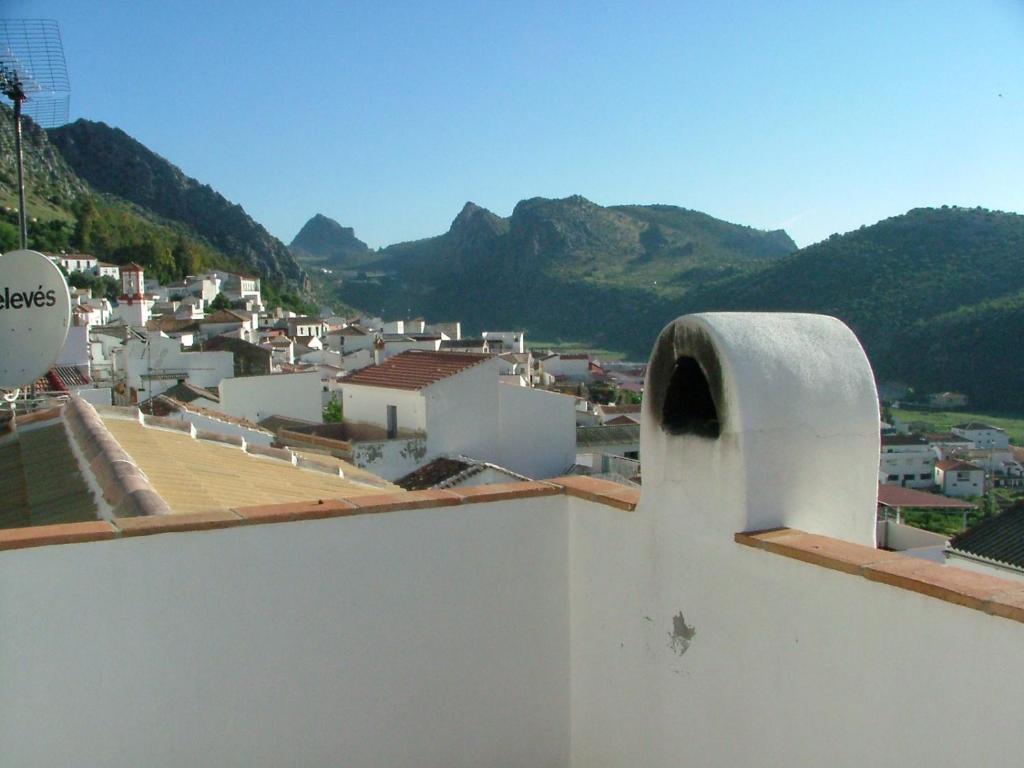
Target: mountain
pixel 67 214
pixel 934 295
pixel 565 269
pixel 323 242
pixel 113 162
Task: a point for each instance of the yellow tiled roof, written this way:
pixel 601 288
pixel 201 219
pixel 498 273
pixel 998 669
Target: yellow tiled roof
pixel 200 476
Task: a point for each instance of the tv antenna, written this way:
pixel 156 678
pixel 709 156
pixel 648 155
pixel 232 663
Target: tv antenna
pixel 34 81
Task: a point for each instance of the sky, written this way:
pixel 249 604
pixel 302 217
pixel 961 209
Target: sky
pixel 815 117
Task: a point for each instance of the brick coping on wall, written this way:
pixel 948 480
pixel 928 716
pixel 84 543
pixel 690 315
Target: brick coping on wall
pixel 979 591
pixel 990 594
pixel 588 488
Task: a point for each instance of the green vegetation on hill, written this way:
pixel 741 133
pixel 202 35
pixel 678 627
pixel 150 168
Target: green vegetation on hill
pixel 943 421
pixel 568 268
pixel 113 162
pixel 935 296
pixel 67 214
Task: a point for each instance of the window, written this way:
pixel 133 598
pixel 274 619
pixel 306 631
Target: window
pixel 963 476
pixel 392 411
pixel 908 477
pixel 632 454
pixel 926 477
pixel 893 478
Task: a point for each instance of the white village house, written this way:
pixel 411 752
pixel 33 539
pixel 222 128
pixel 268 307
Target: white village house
pixel 907 460
pixel 459 406
pixel 983 435
pixel 959 478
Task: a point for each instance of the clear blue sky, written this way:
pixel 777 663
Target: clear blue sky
pixel 814 116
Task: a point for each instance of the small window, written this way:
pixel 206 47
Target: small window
pixel 632 454
pixel 893 478
pixel 926 477
pixel 392 411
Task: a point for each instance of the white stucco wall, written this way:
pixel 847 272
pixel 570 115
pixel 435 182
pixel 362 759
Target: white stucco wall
pixel 536 431
pixel 76 347
pixel 960 483
pixel 163 356
pixel 463 414
pixel 787 663
pixel 574 369
pixel 913 465
pixel 284 394
pixel 391 459
pixel 368 405
pixel 435 637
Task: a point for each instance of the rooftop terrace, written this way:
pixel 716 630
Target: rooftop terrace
pixel 735 613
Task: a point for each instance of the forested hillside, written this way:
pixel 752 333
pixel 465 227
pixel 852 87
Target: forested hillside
pixel 111 161
pixel 934 295
pixel 565 269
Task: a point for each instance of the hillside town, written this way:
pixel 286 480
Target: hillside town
pixel 416 405
pixel 412 402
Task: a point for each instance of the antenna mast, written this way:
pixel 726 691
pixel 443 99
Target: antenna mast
pixel 33 70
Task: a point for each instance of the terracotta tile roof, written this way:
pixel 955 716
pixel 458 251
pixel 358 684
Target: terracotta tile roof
pixel 621 420
pixel 956 465
pixel 443 472
pixel 169 324
pixel 226 316
pixel 620 408
pixel 903 440
pixel 431 474
pixel 185 393
pixel 897 496
pixel 415 369
pixel 61 378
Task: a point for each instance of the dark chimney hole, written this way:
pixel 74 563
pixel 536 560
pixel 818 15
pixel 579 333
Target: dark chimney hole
pixel 689 408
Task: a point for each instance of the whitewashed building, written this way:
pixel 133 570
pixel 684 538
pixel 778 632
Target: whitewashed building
pixel 907 460
pixel 457 401
pixel 959 478
pixel 511 341
pixel 983 435
pixel 152 366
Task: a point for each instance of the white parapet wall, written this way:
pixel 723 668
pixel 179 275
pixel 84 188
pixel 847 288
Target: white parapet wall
pixel 435 637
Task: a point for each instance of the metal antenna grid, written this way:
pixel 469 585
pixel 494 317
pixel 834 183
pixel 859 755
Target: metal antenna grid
pixel 33 72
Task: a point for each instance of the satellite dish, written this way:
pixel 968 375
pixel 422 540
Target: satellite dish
pixel 35 309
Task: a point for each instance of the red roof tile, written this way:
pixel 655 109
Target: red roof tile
pixel 897 496
pixel 415 369
pixel 957 465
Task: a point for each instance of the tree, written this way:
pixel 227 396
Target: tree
pixel 332 411
pixel 220 301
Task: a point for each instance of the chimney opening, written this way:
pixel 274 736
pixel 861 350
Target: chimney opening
pixel 689 408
